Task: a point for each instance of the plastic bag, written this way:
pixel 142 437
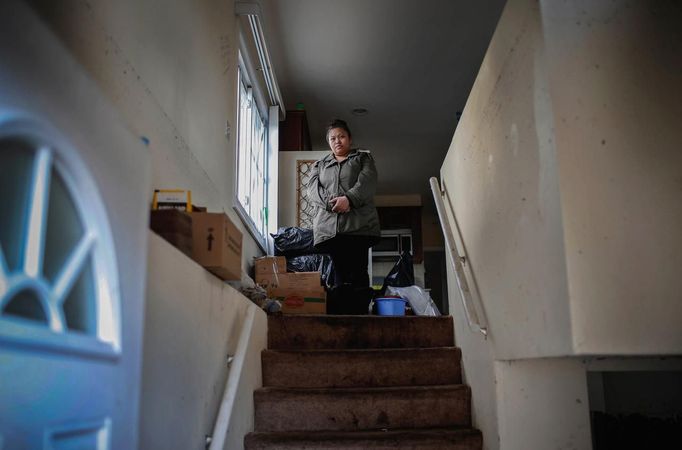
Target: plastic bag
pixel 294 241
pixel 402 273
pixel 313 263
pixel 421 302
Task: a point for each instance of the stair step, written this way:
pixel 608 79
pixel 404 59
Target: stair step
pixel 353 409
pixel 450 439
pixel 361 368
pixel 307 332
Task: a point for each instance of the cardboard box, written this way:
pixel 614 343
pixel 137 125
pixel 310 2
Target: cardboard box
pixel 306 281
pixel 175 227
pixel 270 264
pixel 299 292
pixel 296 301
pixel 303 281
pixel 270 280
pixel 217 245
pixel 171 221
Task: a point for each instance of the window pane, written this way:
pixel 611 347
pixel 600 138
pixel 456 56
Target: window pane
pixel 242 140
pixel 252 159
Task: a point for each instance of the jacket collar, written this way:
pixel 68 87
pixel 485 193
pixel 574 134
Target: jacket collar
pixel 330 160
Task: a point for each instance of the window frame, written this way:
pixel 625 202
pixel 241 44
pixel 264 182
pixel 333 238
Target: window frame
pixel 244 83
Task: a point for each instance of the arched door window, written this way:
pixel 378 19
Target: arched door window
pixel 58 279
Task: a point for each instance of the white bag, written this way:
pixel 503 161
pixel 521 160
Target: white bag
pixel 421 302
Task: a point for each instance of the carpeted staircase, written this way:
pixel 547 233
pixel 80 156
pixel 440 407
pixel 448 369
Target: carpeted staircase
pixel 342 382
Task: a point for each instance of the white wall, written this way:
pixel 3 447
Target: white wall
pixel 542 404
pixel 614 78
pixel 500 174
pixel 193 322
pixel 564 174
pixel 170 68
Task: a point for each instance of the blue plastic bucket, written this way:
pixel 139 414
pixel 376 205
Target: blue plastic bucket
pixel 391 306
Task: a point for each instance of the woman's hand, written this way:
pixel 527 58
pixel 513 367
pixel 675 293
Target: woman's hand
pixel 340 204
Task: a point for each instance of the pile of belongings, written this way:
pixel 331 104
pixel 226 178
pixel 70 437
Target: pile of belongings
pixel 296 244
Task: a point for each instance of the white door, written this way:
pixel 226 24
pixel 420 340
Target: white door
pixel 74 185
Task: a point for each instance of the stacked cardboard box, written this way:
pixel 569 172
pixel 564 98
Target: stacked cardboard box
pixel 299 292
pixel 217 245
pixel 175 227
pixel 270 264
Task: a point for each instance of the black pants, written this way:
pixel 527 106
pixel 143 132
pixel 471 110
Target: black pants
pixel 349 254
pixel 351 293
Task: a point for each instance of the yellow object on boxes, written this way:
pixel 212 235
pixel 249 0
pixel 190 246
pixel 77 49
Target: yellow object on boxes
pixel 217 245
pixel 172 199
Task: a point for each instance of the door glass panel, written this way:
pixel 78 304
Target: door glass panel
pixel 27 306
pixel 85 436
pixel 15 182
pixel 64 228
pixel 79 308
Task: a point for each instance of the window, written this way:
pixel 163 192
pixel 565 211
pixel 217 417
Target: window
pixel 252 162
pixel 57 262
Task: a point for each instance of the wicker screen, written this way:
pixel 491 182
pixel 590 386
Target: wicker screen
pixel 305 209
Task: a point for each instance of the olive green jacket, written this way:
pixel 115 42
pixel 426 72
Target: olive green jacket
pixel 356 178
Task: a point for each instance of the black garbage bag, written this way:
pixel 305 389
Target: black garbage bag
pixel 402 273
pixel 294 241
pixel 313 263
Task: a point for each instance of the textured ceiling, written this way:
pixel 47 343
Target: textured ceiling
pixel 411 63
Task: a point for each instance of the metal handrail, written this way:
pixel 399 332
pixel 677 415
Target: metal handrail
pixel 475 316
pixel 216 441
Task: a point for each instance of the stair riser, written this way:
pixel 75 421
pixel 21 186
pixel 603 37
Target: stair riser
pixel 366 410
pixel 464 441
pixel 424 367
pixel 357 332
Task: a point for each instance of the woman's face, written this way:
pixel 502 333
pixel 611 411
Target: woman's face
pixel 339 141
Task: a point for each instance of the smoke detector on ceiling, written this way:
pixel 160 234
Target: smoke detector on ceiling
pixel 360 111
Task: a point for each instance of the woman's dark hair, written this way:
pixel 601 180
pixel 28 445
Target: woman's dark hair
pixel 338 123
